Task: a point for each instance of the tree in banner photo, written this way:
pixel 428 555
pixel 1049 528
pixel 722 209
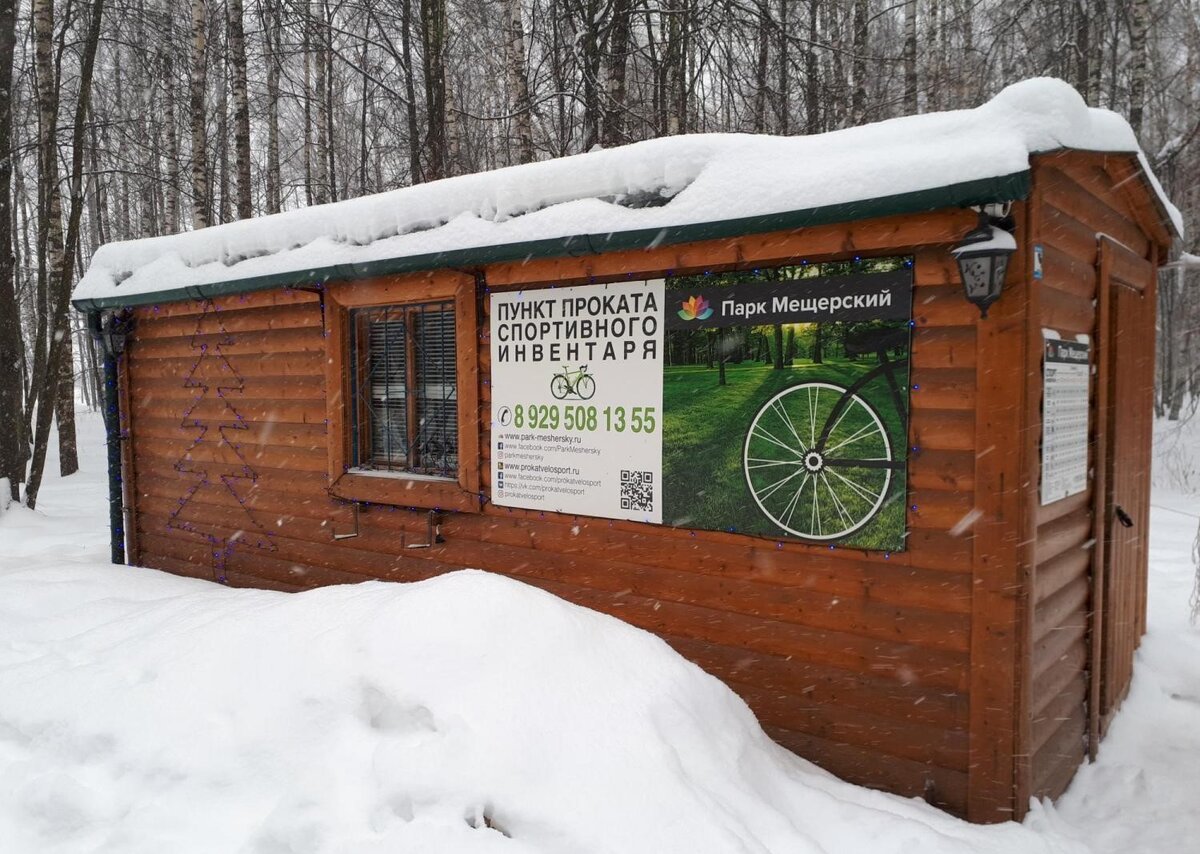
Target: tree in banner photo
pixel 785 402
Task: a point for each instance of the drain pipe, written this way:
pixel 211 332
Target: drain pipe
pixel 110 329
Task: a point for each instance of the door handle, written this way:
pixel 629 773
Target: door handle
pixel 1123 517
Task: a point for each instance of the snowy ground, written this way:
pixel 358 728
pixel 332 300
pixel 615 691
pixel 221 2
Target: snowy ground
pixel 1143 792
pixel 140 712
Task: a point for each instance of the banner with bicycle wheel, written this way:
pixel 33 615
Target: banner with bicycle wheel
pixel 771 402
pixel 785 402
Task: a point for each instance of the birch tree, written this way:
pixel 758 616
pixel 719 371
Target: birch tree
pixel 199 118
pixel 241 107
pixel 12 427
pixel 60 272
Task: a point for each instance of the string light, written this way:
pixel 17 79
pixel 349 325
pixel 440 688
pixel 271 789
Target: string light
pixel 220 548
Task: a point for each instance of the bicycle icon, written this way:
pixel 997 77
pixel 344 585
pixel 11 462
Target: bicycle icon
pixel 817 457
pixel 578 383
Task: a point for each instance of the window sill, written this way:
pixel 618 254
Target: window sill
pixel 401 490
pixel 401 475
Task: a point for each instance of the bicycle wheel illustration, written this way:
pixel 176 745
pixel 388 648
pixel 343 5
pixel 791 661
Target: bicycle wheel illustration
pixel 559 387
pixel 586 387
pixel 818 461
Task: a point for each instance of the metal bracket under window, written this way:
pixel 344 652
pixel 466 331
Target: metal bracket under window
pixel 433 535
pixel 352 534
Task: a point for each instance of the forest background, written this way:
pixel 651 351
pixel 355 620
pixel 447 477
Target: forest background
pixel 122 119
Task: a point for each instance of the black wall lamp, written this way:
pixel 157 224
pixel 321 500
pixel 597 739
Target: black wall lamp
pixel 983 256
pixel 110 328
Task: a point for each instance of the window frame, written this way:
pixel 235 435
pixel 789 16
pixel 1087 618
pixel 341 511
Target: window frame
pixel 416 375
pixel 403 488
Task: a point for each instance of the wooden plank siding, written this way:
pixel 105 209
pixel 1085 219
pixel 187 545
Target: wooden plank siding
pixel 953 670
pixel 1063 547
pixel 1079 201
pixel 858 661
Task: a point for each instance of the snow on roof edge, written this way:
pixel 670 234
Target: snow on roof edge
pixel 1002 188
pixel 663 191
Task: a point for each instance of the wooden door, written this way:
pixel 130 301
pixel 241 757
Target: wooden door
pixel 1127 370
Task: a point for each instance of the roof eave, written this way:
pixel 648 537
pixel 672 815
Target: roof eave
pixel 1009 187
pixel 1157 220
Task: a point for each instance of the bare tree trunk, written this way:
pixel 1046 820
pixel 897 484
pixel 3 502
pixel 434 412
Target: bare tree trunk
pixel 1081 77
pixel 812 82
pixel 518 81
pixel 21 281
pixel 310 194
pixel 454 152
pixel 330 102
pixel 64 403
pixel 92 361
pixel 1139 22
pixel 241 108
pixel 63 273
pixel 966 74
pixel 433 34
pixel 911 103
pixel 320 119
pixel 762 46
pixel 50 236
pixel 363 149
pixel 785 86
pixel 12 425
pixel 838 84
pixel 934 57
pixel 410 94
pixel 616 74
pixel 858 64
pixel 588 52
pixel 224 198
pixel 199 81
pixel 271 49
pixel 1096 62
pixel 147 142
pixel 171 207
pixel 675 59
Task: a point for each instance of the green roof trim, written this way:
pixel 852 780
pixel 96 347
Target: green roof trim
pixel 1003 188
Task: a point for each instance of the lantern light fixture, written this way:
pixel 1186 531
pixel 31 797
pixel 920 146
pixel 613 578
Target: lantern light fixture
pixel 110 329
pixel 983 257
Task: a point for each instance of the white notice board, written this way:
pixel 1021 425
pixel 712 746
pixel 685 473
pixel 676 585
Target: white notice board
pixel 1066 370
pixel 577 395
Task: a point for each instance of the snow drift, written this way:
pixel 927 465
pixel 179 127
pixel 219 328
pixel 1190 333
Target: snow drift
pixel 141 712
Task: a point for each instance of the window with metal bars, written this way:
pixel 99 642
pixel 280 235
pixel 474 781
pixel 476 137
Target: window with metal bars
pixel 404 389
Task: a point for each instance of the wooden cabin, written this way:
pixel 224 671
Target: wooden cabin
pixel 325 424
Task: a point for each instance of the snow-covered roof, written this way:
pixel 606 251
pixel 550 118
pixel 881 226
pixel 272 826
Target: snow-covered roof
pixel 645 194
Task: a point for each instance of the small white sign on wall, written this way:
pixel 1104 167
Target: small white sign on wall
pixel 1066 372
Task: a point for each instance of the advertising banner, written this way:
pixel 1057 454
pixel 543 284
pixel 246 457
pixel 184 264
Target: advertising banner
pixel 771 402
pixel 577 400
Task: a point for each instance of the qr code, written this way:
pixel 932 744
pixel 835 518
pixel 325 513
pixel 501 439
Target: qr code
pixel 637 490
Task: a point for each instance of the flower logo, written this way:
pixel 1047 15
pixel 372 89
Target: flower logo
pixel 695 308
